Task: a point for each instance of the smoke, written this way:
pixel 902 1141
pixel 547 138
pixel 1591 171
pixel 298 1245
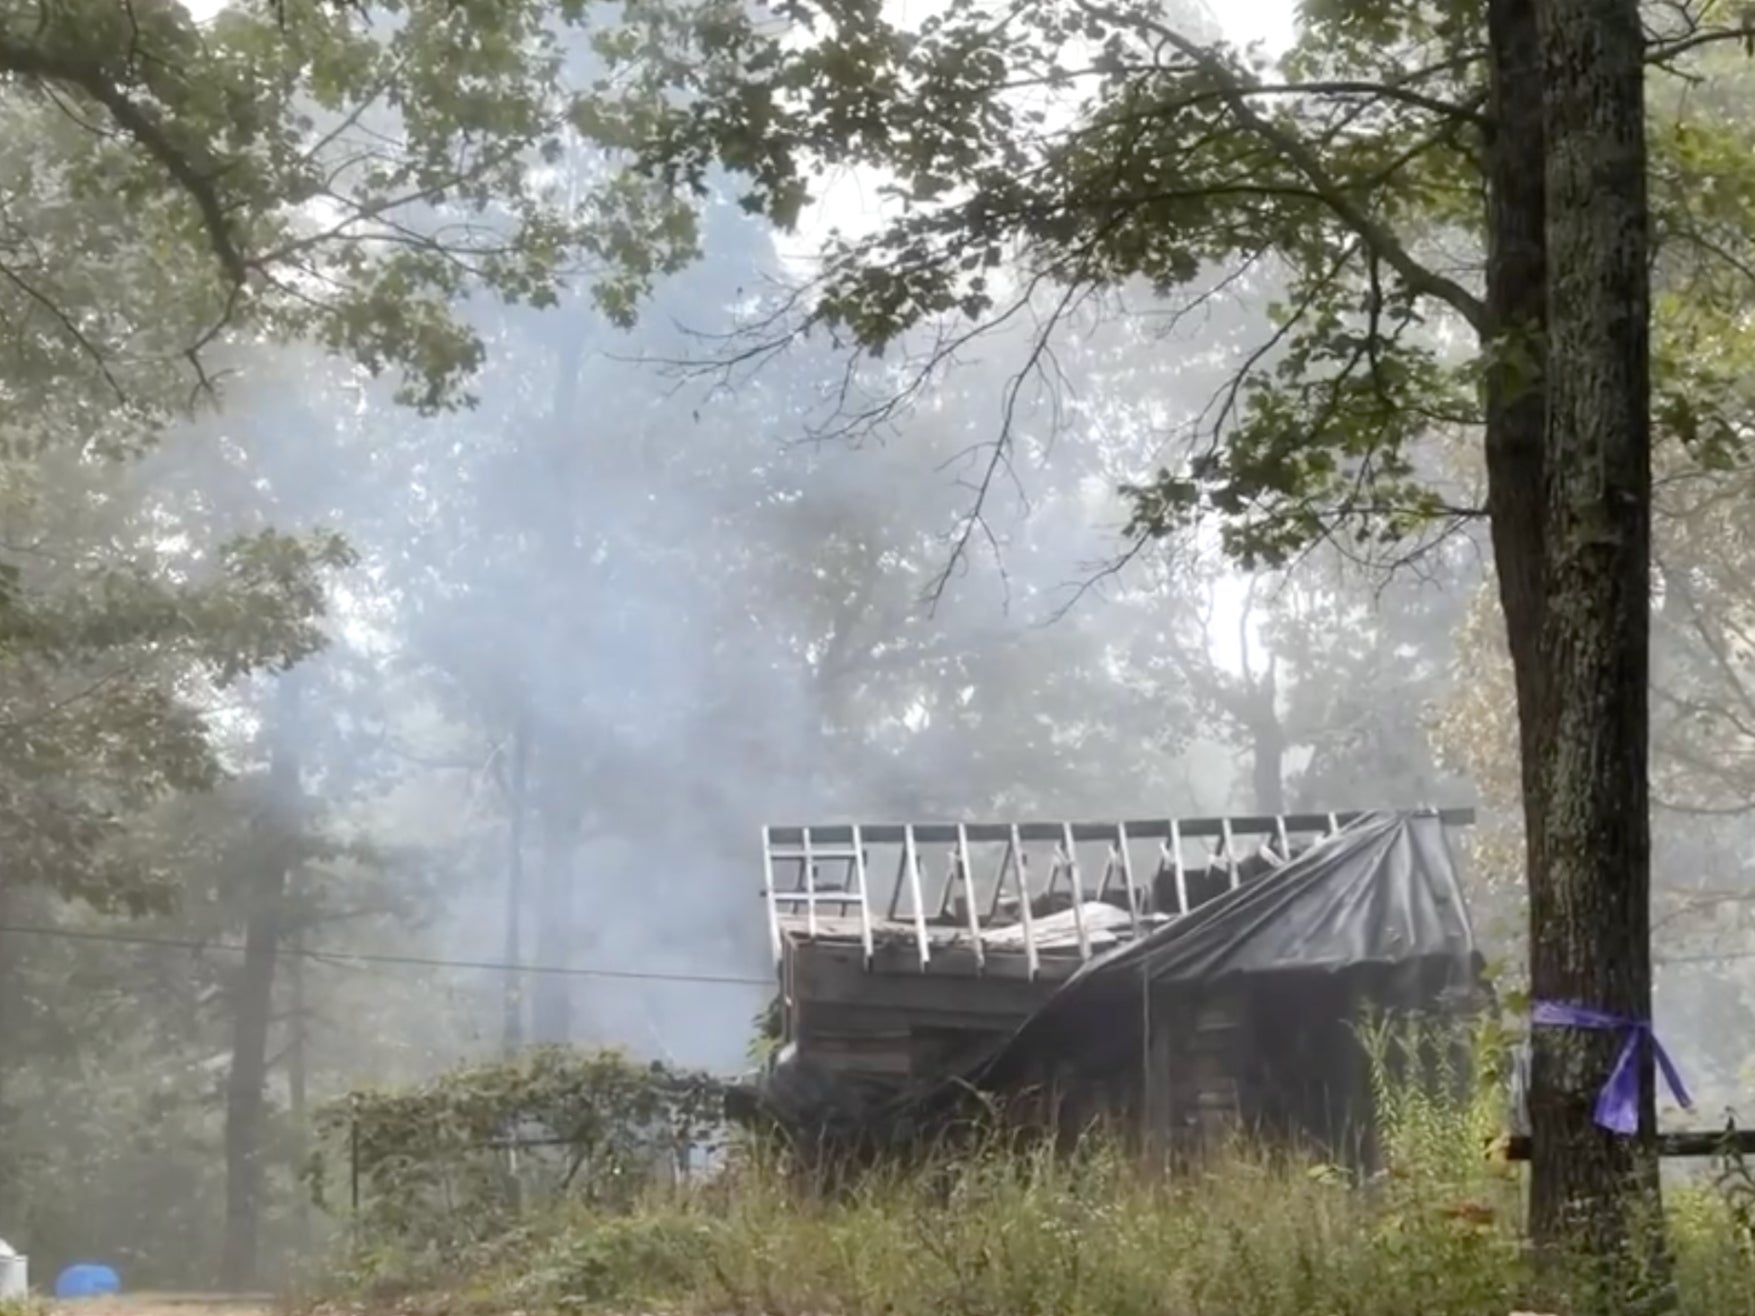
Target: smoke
pixel 646 613
pixel 699 620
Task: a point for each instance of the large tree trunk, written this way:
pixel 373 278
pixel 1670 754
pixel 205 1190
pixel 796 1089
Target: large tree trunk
pixel 1590 899
pixel 1569 495
pixel 298 1061
pixel 11 986
pixel 253 997
pixel 1516 346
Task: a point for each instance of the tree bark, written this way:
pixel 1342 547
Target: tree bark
pixel 1590 892
pixel 1515 350
pixel 11 985
pixel 298 1062
pixel 253 999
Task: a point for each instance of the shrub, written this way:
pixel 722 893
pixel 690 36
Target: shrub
pixel 1008 1229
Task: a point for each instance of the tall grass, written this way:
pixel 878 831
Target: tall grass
pixel 997 1231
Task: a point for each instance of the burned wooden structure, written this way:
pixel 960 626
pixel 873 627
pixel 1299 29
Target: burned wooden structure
pixel 1184 977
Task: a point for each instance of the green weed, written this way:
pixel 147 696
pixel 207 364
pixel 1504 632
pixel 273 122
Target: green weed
pixel 999 1230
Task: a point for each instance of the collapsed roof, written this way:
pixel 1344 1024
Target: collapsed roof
pixel 1379 895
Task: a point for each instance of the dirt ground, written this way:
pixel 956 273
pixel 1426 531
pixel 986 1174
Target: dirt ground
pixel 169 1304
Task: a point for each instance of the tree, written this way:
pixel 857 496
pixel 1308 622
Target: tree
pixel 1590 907
pixel 1328 684
pixel 1347 171
pixel 287 170
pixel 177 194
pixel 131 619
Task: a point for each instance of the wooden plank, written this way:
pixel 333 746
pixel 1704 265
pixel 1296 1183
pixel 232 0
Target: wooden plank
pixel 911 861
pixel 1219 1014
pixel 1078 890
pixel 1089 926
pixel 962 863
pixel 788 998
pixel 837 974
pixel 1173 844
pixel 940 1051
pixel 1127 882
pixel 1216 1028
pixel 955 960
pixel 892 1063
pixel 848 927
pixel 1684 1144
pixel 894 943
pixel 1161 1057
pixel 810 884
pixel 844 1025
pixel 1145 829
pixel 822 1018
pixel 1026 916
pixel 769 888
pixel 865 932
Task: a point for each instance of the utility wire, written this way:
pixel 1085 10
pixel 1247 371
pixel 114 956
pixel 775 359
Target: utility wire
pixel 1707 958
pixel 363 957
pixel 562 970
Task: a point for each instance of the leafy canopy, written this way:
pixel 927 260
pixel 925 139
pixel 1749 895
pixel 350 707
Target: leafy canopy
pixel 294 168
pixel 1046 152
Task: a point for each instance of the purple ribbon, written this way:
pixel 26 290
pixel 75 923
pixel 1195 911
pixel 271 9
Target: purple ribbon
pixel 1617 1107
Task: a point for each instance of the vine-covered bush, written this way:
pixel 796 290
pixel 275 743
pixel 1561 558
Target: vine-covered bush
pixel 453 1162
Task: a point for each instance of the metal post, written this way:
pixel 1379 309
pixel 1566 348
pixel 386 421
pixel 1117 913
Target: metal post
pixel 353 1163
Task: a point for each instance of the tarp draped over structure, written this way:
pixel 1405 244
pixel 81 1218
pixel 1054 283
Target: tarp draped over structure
pixel 1379 896
pixel 1382 893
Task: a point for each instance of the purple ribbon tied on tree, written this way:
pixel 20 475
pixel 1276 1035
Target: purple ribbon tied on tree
pixel 1617 1108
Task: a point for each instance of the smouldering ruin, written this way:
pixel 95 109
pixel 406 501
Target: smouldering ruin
pixel 1186 977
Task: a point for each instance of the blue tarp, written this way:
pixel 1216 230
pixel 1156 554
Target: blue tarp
pixel 87 1279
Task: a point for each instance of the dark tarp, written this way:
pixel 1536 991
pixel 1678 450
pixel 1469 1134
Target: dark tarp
pixel 1381 896
pixel 1382 891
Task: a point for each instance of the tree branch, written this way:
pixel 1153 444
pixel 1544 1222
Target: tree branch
pixel 1383 243
pixel 145 128
pixel 1662 52
pixel 1470 111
